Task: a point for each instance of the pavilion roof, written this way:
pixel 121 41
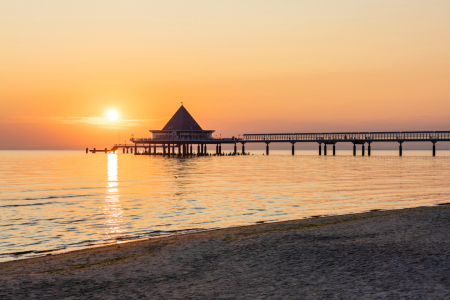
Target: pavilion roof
pixel 182 120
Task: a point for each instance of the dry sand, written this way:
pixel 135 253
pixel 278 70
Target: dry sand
pixel 399 254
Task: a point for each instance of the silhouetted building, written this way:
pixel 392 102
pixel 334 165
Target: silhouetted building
pixel 182 126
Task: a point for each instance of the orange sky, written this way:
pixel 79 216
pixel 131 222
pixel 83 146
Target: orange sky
pixel 238 66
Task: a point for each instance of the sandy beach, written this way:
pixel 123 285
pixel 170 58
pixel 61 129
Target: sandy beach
pixel 398 254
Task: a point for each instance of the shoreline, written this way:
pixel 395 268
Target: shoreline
pixel 260 227
pixel 177 253
pixel 186 232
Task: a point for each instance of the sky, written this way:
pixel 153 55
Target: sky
pixel 237 66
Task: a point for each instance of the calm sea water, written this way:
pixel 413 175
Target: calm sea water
pixel 54 200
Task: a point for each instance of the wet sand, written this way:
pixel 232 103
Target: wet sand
pixel 398 254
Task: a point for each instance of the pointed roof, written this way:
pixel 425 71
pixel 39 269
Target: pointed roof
pixel 182 120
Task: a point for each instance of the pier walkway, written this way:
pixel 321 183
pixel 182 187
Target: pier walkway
pixel 185 146
pixel 357 138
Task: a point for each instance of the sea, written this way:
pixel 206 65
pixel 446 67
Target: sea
pixel 54 201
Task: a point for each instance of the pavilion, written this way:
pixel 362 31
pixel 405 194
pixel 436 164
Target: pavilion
pixel 182 126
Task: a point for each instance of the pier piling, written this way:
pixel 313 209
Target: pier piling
pixel 400 148
pixel 434 149
pixel 354 149
pixel 293 148
pixel 334 149
pixel 320 148
pixel 363 149
pixel 325 149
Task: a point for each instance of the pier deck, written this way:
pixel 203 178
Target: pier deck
pixel 184 146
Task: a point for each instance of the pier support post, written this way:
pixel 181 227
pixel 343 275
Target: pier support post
pixel 127 149
pixel 267 148
pixel 164 149
pixel 235 149
pixel 220 149
pixel 87 150
pixel 217 149
pixel 206 150
pixel 363 149
pixel 135 149
pixel 173 149
pixel 325 149
pixel 368 148
pixel 434 148
pixel 293 148
pixel 320 148
pixel 400 148
pixel 179 149
pixel 243 148
pixel 354 149
pixel 94 150
pixel 190 149
pixel 154 149
pixel 334 149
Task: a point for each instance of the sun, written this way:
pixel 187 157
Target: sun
pixel 112 115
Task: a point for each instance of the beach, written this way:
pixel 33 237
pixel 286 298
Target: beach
pixel 390 254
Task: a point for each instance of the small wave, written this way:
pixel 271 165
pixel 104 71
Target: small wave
pixel 20 253
pixel 56 197
pixel 50 197
pixel 32 204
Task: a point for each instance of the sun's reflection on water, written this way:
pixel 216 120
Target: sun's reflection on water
pixel 114 224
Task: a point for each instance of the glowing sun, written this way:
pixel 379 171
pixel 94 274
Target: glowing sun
pixel 112 115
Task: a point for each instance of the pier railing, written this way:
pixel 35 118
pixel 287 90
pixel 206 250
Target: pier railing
pixel 350 136
pixel 175 139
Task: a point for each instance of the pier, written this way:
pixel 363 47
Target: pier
pixel 356 138
pixel 182 136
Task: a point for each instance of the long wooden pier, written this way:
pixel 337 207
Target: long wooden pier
pixel 186 146
pixel 356 138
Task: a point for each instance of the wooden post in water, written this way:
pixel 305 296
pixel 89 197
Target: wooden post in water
pixel 320 148
pixel 334 149
pixel 293 148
